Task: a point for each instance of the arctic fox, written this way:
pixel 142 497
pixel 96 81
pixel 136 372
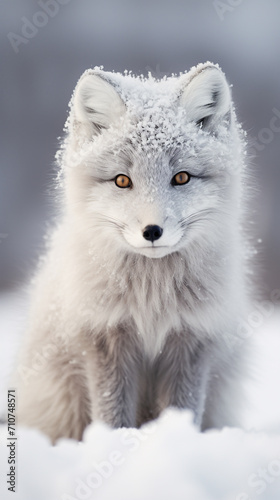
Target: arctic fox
pixel 138 299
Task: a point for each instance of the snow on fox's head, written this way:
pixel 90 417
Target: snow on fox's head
pixel 146 162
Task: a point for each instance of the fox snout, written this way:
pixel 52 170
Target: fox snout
pixel 152 233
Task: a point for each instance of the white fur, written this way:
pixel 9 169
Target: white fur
pixel 137 326
pixel 207 88
pixel 96 102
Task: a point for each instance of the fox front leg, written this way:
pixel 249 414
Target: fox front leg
pixel 112 376
pixel 181 376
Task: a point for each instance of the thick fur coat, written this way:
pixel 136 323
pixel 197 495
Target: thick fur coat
pixel 138 300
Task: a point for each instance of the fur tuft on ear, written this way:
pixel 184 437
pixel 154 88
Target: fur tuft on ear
pixel 96 104
pixel 207 97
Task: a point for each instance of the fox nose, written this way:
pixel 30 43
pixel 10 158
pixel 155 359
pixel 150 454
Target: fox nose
pixel 152 233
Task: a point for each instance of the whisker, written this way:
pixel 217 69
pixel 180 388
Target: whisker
pixel 198 217
pixel 109 221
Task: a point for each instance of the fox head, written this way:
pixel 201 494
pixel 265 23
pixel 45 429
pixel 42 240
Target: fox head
pixel 151 167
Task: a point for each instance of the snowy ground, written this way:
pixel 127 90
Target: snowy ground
pixel 164 459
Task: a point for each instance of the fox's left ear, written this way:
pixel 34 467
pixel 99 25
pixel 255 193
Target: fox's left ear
pixel 207 98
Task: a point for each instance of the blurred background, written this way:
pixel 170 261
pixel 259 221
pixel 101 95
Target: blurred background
pixel 47 44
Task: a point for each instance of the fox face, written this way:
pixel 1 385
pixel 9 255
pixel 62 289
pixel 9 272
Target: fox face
pixel 148 159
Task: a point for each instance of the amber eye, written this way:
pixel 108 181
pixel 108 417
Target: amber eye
pixel 122 181
pixel 180 178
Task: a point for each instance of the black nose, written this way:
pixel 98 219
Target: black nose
pixel 152 233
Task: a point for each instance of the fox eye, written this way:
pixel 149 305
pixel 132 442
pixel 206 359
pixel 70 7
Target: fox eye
pixel 180 179
pixel 122 181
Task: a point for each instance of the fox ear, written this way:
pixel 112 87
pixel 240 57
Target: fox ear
pixel 96 105
pixel 207 98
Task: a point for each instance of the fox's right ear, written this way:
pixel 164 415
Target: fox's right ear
pixel 95 105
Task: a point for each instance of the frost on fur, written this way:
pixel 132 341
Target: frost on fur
pixel 143 286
